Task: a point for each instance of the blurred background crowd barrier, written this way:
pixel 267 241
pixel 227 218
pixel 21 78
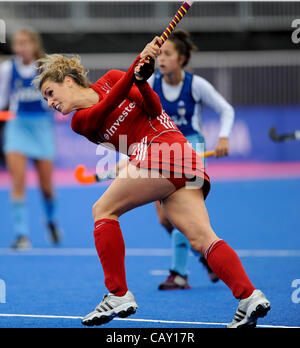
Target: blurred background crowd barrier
pixel 245 49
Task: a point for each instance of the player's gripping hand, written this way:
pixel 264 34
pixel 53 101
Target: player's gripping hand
pixel 145 67
pixel 222 148
pixel 143 71
pixel 152 49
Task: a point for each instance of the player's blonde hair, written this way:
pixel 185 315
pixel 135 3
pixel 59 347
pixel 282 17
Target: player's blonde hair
pixel 56 67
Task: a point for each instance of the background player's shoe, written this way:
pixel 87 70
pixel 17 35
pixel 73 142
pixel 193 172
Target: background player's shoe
pixel 175 281
pixel 249 310
pixel 22 243
pixel 110 307
pixel 212 276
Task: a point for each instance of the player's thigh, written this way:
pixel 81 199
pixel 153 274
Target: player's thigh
pixel 186 209
pixel 129 190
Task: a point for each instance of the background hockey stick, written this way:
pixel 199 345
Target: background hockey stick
pixel 288 136
pixel 83 178
pixel 6 115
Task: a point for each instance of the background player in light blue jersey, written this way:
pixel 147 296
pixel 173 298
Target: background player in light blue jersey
pixel 182 95
pixel 28 135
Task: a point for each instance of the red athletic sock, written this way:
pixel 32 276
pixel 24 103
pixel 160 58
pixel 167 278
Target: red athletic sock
pixel 111 251
pixel 226 264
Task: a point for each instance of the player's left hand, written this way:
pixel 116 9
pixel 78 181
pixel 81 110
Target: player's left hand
pixel 222 148
pixel 152 49
pixel 145 67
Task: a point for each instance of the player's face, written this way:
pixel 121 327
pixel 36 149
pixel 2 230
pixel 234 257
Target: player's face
pixel 58 96
pixel 169 60
pixel 24 47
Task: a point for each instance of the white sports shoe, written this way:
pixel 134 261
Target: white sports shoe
pixel 110 307
pixel 249 310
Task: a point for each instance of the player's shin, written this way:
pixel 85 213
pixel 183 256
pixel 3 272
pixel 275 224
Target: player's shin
pixel 226 264
pixel 111 251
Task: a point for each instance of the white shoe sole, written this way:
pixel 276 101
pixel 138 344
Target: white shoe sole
pixel 99 318
pixel 255 311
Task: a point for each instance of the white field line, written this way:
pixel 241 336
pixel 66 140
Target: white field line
pixel 135 320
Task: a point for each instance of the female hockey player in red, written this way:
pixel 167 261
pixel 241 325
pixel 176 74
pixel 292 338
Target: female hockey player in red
pixel 122 110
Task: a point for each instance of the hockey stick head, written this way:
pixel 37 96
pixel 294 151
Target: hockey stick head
pixel 7 115
pixel 288 136
pixel 82 178
pixel 273 134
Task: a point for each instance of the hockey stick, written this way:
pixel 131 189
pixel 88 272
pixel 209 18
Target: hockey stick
pixel 288 136
pixel 176 19
pixel 172 25
pixel 83 178
pixel 80 169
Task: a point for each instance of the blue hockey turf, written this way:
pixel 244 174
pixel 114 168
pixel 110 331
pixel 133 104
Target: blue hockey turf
pixel 55 287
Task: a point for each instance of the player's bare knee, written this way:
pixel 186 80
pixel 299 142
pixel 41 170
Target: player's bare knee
pixel 101 211
pixel 198 244
pixel 202 239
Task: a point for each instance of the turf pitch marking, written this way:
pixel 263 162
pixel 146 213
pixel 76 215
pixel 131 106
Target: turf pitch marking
pixel 136 320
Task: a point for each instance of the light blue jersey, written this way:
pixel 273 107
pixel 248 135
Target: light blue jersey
pixel 26 101
pixel 31 131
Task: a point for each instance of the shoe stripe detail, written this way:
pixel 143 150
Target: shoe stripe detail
pixel 242 312
pixel 104 308
pixel 108 305
pixel 238 317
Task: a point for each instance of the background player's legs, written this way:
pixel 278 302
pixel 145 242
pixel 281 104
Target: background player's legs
pixel 45 172
pixel 181 250
pixel 16 165
pixel 44 169
pixel 180 244
pixel 180 254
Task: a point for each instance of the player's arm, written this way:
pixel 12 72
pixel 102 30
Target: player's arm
pixel 147 99
pixel 205 92
pixel 143 71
